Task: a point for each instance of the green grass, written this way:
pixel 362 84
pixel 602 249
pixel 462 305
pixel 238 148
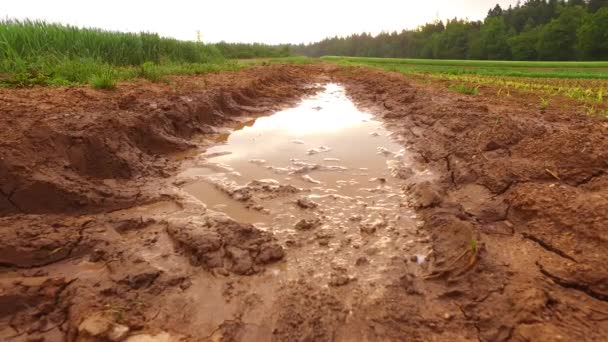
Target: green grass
pixel 574 80
pixel 467 63
pixel 40 53
pixel 464 89
pixel 105 80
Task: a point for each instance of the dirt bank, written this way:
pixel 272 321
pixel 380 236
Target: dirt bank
pixel 519 216
pixel 83 150
pixel 100 243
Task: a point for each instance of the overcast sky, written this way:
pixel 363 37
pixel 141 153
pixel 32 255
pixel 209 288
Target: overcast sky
pixel 268 21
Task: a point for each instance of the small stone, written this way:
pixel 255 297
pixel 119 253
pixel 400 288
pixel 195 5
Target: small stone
pixel 94 325
pixel 306 203
pixel 367 228
pixel 361 261
pixel 97 255
pixel 447 316
pixel 307 224
pixel 339 277
pixel 118 332
pixel 185 284
pixel 355 218
pixel 414 258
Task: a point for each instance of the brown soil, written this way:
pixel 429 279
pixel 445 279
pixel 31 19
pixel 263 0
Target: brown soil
pixel 98 245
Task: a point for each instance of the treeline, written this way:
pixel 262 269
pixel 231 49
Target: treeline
pixel 255 50
pixel 535 30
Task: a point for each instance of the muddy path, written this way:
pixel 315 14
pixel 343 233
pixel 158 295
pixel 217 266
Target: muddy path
pixel 300 203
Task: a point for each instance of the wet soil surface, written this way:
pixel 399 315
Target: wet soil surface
pixel 306 203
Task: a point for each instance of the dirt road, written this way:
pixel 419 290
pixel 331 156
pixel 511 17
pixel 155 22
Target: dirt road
pixel 490 224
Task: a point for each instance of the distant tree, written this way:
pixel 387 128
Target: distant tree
pixel 523 45
pixel 576 3
pixel 453 42
pixel 595 5
pixel 530 30
pixel 593 36
pixel 495 12
pixel 558 39
pixel 493 39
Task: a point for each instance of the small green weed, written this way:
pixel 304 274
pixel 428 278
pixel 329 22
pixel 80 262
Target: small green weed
pixel 104 80
pixel 151 72
pixel 464 89
pixel 544 104
pixel 473 245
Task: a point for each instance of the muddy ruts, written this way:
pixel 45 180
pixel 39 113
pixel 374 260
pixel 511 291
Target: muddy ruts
pixel 83 150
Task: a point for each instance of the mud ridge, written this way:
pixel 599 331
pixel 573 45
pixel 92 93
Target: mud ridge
pixel 503 169
pixel 51 165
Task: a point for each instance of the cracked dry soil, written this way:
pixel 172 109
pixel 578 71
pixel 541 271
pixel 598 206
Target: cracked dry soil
pixel 99 243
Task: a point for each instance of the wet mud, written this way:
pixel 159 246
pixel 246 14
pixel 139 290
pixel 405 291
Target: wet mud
pixel 300 203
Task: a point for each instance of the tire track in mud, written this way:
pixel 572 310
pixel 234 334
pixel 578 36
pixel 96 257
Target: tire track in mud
pixel 492 204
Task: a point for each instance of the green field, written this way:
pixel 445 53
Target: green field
pixel 584 82
pixel 578 70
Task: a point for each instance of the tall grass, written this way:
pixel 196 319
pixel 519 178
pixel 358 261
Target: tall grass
pixel 31 40
pixel 37 52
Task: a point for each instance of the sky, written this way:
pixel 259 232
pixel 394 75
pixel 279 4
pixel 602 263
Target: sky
pixel 265 21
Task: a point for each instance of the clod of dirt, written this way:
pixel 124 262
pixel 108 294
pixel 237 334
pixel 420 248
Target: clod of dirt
pixel 425 195
pixel 140 277
pixel 216 241
pixel 371 227
pixel 306 203
pixel 254 190
pixel 308 313
pixel 40 242
pixel 33 303
pixel 361 261
pixel 99 326
pixel 339 277
pixel 477 200
pixel 307 224
pixel 160 337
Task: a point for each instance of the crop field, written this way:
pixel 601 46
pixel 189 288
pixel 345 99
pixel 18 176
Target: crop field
pixel 41 53
pixel 584 82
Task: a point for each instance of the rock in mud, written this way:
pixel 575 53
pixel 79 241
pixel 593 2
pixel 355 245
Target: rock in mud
pixel 425 195
pixel 306 203
pixel 361 261
pixel 101 327
pixel 370 228
pixel 217 241
pixel 339 277
pixel 160 337
pixel 307 224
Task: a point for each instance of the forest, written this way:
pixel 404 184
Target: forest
pixel 533 30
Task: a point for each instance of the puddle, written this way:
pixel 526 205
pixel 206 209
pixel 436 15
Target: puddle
pixel 319 176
